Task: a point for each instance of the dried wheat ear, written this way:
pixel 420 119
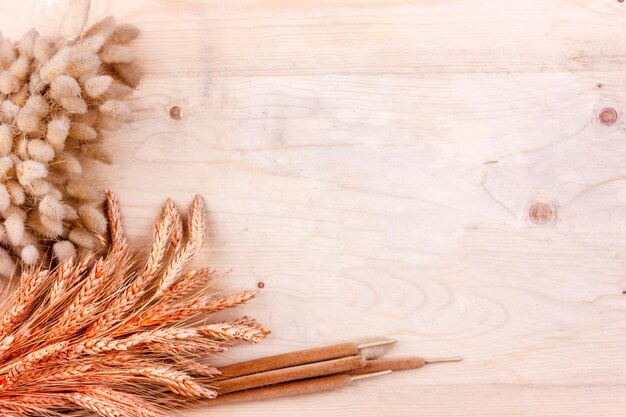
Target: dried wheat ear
pixel 113 336
pixel 56 98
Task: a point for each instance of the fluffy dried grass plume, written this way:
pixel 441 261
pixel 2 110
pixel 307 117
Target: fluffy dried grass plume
pixel 114 336
pixel 56 97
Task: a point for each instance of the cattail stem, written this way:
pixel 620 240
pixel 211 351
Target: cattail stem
pixel 290 389
pixel 400 364
pixel 293 373
pixel 302 357
pixel 290 359
pixel 443 360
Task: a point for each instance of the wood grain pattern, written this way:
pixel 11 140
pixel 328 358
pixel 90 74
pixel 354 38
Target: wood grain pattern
pixel 374 163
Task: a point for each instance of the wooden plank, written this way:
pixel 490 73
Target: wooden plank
pixel 433 171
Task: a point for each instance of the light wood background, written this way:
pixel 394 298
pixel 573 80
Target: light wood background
pixel 374 164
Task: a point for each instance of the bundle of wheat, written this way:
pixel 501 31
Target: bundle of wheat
pixel 114 337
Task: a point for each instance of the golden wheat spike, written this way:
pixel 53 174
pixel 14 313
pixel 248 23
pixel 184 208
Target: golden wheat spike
pixel 101 335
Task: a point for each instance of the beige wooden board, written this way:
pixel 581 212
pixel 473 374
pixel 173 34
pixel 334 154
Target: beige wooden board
pixel 373 164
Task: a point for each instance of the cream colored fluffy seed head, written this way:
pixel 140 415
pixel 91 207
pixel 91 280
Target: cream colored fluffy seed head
pixel 7 266
pixel 82 238
pixel 29 171
pixel 30 254
pixel 14 225
pixel 18 197
pixel 6 165
pixel 92 218
pixel 58 129
pixel 75 19
pixel 8 83
pixel 64 86
pixel 5 198
pixel 51 207
pixel 40 151
pixel 116 110
pixel 98 85
pixel 63 250
pixel 6 139
pixel 82 132
pixel 55 98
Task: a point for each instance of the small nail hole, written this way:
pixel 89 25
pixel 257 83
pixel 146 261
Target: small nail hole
pixel 261 284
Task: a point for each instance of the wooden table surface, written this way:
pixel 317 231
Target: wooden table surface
pixel 450 173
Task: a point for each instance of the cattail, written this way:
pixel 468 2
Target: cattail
pixel 92 218
pixel 117 110
pixel 63 250
pixel 40 150
pixel 14 226
pixel 28 171
pixel 97 85
pixel 75 18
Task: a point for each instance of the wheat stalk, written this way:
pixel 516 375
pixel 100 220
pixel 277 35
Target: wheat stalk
pixel 109 337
